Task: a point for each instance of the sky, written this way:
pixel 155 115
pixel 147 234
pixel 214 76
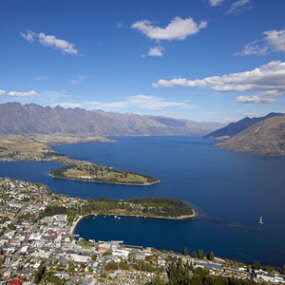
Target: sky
pixel 203 60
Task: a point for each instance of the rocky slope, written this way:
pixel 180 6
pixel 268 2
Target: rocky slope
pixel 266 137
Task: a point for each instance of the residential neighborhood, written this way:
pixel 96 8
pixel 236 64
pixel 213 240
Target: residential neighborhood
pixel 37 248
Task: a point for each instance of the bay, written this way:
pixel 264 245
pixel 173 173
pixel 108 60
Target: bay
pixel 229 190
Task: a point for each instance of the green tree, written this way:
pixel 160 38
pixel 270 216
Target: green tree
pixel 211 256
pixel 185 251
pixel 201 254
pixel 283 269
pixel 256 265
pixel 124 265
pixel 194 254
pixel 39 274
pixel 111 266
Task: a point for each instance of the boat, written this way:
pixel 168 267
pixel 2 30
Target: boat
pixel 260 220
pixel 116 217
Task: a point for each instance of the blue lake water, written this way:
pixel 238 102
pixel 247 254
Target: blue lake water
pixel 230 191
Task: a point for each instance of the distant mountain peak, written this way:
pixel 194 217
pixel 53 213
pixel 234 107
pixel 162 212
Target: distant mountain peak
pixel 35 119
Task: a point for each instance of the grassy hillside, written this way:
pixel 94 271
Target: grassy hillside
pixel 16 147
pixel 266 137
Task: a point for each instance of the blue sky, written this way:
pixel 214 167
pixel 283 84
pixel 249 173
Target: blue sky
pixel 205 60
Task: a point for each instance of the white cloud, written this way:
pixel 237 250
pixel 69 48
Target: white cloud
pixel 29 36
pixel 214 3
pixel 2 92
pixel 142 102
pixel 77 79
pixel 51 41
pixel 256 99
pixel 237 5
pixel 68 105
pixel 177 29
pixel 155 51
pixel 274 40
pixel 145 102
pixel 119 25
pixel 250 115
pixel 270 76
pixel 252 48
pixel 30 93
pixel 269 79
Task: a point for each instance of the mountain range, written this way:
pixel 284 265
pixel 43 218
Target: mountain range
pixel 265 137
pixel 34 119
pixel 236 127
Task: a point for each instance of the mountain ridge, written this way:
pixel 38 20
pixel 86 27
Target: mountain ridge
pixel 266 137
pixel 32 119
pixel 236 127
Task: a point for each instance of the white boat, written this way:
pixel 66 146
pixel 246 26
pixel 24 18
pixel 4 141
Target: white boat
pixel 260 221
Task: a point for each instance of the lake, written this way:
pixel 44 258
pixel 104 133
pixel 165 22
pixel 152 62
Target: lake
pixel 229 190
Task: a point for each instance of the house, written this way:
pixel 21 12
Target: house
pixel 16 282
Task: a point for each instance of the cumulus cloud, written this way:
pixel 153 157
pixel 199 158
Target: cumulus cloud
pixel 30 93
pixel 2 92
pixel 214 3
pixel 269 79
pixel 273 40
pixel 51 41
pixel 237 5
pixel 276 39
pixel 177 29
pixel 155 51
pixel 259 98
pixel 270 76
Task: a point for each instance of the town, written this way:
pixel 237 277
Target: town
pixel 38 246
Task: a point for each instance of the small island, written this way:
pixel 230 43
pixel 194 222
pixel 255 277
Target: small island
pixel 91 172
pixel 21 148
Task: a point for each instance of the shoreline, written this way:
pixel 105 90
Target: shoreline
pixel 114 183
pixel 74 225
pixel 184 217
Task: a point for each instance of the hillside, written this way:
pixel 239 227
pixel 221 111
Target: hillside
pixel 33 119
pixel 266 137
pixel 17 147
pixel 234 128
